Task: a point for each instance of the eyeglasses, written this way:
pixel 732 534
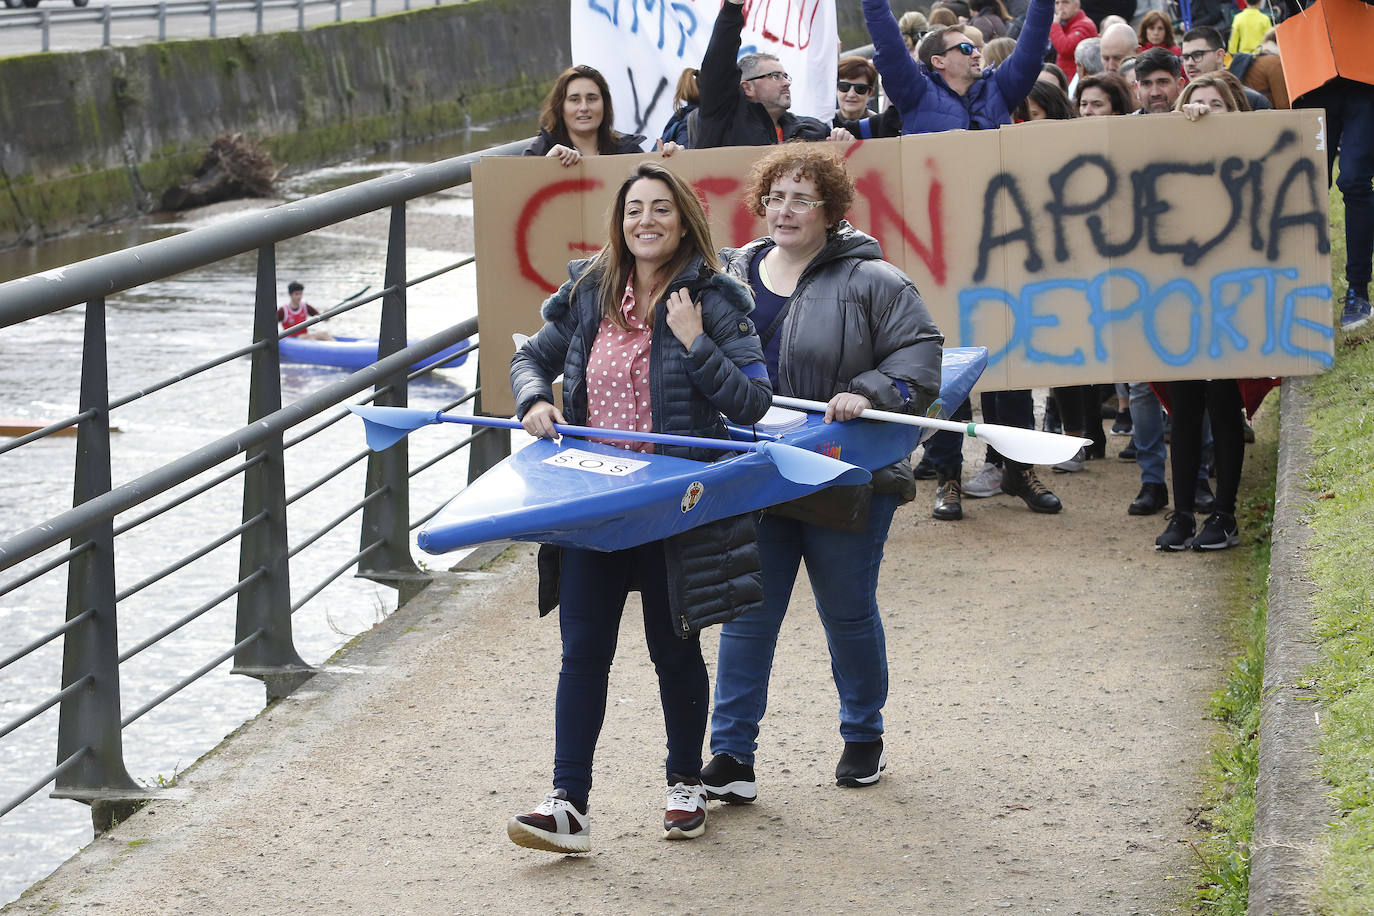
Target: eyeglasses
pixel 965 48
pixel 1194 57
pixel 774 202
pixel 778 76
pixel 860 88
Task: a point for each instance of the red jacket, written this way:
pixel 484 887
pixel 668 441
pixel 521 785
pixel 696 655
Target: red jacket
pixel 1066 38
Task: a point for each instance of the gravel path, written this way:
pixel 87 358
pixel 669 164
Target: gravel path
pixel 1046 731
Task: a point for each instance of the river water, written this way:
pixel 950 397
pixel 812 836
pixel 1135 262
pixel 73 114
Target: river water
pixel 153 332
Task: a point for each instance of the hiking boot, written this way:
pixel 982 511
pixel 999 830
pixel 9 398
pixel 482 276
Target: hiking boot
pixel 1179 534
pixel 555 826
pixel 1354 311
pixel 1073 464
pixel 949 506
pixel 1123 425
pixel 1203 500
pixel 861 764
pixel 1151 498
pixel 729 780
pixel 1218 532
pixel 684 814
pixel 987 482
pixel 924 470
pixel 1021 481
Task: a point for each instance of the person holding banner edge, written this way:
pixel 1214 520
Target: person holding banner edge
pixel 653 322
pixel 576 121
pixel 840 325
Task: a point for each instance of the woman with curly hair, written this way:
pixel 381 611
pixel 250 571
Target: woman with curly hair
pixel 841 325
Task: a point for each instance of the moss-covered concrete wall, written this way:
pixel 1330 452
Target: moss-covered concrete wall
pixel 94 136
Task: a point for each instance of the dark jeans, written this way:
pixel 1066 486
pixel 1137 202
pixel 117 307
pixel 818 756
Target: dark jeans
pixel 592 596
pixel 1350 136
pixel 945 450
pixel 1219 400
pixel 1080 411
pixel 1008 408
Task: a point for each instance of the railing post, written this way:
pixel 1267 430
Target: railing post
pixel 89 720
pixel 162 21
pixel 265 603
pixel 338 10
pixel 46 19
pixel 257 7
pixel 300 15
pixel 491 445
pixel 214 18
pixel 105 26
pixel 387 519
pixel 374 9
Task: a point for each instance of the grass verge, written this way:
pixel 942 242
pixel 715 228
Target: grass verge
pixel 1342 520
pixel 1227 814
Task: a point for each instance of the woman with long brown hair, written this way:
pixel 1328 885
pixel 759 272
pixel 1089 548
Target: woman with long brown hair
pixel 649 335
pixel 577 120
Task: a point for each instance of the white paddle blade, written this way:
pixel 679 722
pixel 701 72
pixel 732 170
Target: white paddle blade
pixel 1030 446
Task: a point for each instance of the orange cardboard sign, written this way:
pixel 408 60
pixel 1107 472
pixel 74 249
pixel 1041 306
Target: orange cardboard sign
pixel 1328 39
pixel 1097 250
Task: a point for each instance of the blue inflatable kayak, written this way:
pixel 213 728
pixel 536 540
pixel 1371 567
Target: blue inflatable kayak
pixel 577 493
pixel 354 352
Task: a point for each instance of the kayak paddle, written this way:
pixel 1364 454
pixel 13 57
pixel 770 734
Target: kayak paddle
pixel 1029 446
pixel 385 426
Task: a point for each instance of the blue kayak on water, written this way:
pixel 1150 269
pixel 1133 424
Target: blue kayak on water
pixel 355 352
pixel 577 493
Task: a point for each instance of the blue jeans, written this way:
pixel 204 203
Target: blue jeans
pixel 945 450
pixel 1350 137
pixel 1147 432
pixel 843 569
pixel 592 591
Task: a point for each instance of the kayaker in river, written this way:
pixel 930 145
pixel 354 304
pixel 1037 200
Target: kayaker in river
pixel 295 311
pixel 649 334
pixel 841 325
pixel 577 121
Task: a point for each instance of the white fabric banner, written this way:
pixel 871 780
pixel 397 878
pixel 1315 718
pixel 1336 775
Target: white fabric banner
pixel 642 47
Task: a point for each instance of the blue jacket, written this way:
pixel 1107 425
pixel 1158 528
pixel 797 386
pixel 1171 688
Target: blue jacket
pixel 925 100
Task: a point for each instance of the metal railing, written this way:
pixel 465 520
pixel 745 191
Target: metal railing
pixel 90 765
pixel 45 20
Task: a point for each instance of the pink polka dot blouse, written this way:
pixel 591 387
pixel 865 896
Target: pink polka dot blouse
pixel 618 377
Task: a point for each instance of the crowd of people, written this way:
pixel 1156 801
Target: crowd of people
pixel 675 333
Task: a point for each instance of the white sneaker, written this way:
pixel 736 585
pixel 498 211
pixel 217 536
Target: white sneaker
pixel 684 816
pixel 555 826
pixel 1071 465
pixel 987 482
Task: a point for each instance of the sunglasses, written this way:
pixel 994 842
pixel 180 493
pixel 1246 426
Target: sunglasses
pixel 965 48
pixel 860 88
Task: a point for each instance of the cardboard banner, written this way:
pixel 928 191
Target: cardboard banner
pixel 1097 250
pixel 642 47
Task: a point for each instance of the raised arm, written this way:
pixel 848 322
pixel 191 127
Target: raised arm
pixel 1017 74
pixel 903 80
pixel 718 78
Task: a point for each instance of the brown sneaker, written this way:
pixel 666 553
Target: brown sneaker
pixel 684 816
pixel 949 506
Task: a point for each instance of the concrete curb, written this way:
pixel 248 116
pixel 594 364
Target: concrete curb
pixel 1290 804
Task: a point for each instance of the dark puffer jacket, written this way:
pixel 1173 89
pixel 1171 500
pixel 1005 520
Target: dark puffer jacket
pixel 626 143
pixel 713 570
pixel 856 323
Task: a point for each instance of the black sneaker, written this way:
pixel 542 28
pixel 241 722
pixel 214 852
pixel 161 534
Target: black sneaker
pixel 1122 426
pixel 1203 500
pixel 1020 480
pixel 861 764
pixel 1128 453
pixel 924 470
pixel 1218 532
pixel 729 780
pixel 1152 498
pixel 949 506
pixel 1179 534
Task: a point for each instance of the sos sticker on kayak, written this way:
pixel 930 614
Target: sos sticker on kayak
pixel 578 460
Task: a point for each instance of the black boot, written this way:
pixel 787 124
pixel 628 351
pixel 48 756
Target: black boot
pixel 1152 498
pixel 1019 480
pixel 949 506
